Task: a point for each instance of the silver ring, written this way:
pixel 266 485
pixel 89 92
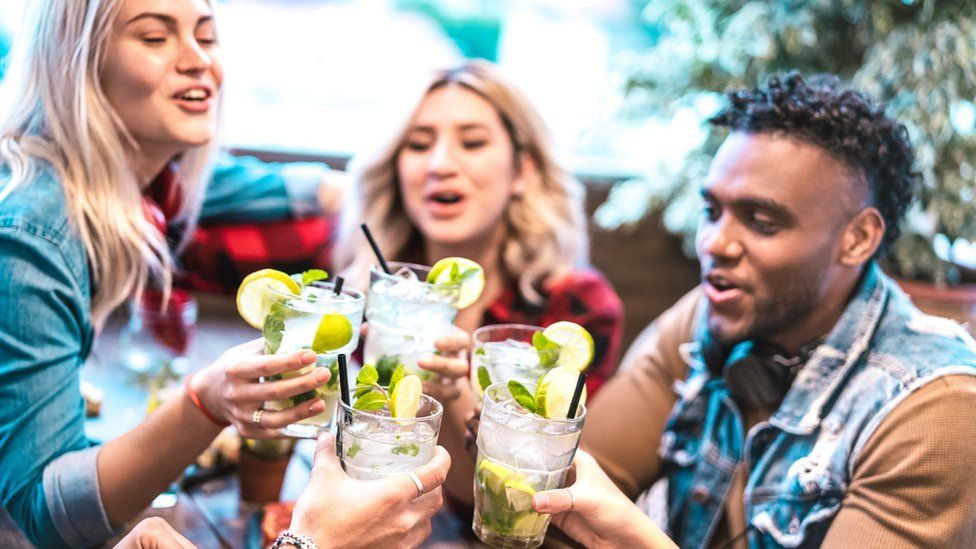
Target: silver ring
pixel 416 480
pixel 572 499
pixel 256 416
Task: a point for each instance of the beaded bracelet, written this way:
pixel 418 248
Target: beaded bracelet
pixel 291 538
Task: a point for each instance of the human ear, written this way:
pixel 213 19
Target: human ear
pixel 528 173
pixel 861 237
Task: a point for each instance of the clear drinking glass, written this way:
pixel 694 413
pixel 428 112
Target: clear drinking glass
pixel 304 317
pixel 406 315
pixel 159 336
pixel 373 445
pixel 506 353
pixel 519 454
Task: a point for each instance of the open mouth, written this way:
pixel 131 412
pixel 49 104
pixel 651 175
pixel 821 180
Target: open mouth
pixel 721 290
pixel 193 95
pixel 720 283
pixel 446 197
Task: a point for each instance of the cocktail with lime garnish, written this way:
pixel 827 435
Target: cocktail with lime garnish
pixel 412 306
pixel 387 430
pixel 525 445
pixel 303 312
pixel 505 352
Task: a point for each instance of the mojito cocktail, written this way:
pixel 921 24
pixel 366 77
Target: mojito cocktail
pixel 406 315
pixel 318 319
pixel 503 352
pixel 373 444
pixel 519 453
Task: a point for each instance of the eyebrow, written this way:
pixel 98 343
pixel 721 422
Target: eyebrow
pixel 167 19
pixel 766 204
pixel 462 127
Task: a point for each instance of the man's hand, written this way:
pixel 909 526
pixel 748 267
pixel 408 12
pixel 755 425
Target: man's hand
pixel 154 533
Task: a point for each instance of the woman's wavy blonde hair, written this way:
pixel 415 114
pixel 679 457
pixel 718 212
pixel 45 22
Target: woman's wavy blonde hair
pixel 545 228
pixel 58 114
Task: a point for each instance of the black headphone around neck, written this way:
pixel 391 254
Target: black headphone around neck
pixel 758 375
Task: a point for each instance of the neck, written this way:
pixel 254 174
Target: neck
pixel 147 164
pixel 821 320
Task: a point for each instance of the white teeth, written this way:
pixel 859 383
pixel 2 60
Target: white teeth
pixel 194 95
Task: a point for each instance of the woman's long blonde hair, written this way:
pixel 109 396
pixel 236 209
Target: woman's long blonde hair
pixel 59 115
pixel 545 228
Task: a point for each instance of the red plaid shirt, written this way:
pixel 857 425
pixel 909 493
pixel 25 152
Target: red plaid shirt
pixel 584 297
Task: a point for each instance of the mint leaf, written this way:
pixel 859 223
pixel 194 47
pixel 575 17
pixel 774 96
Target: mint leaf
pixel 463 277
pixel 313 275
pixel 385 367
pixel 367 376
pixel 371 401
pixel 480 351
pixel 396 377
pixel 333 366
pixel 274 325
pixel 353 450
pixel 547 349
pixel 483 378
pixel 522 395
pixel 362 390
pixel 406 450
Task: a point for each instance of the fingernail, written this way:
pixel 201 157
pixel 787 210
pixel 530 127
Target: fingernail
pixel 541 501
pixel 316 407
pixel 425 357
pixel 308 357
pixel 322 375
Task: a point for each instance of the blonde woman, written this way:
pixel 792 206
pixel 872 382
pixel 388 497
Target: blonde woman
pixel 472 174
pixel 113 109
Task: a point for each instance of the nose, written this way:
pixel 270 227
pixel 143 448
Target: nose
pixel 443 160
pixel 719 239
pixel 193 58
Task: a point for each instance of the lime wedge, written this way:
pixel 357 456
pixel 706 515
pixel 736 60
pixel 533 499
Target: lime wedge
pixel 519 494
pixel 576 344
pixel 406 397
pixel 555 392
pixel 334 332
pixel 463 272
pixel 528 525
pixel 493 476
pixel 253 295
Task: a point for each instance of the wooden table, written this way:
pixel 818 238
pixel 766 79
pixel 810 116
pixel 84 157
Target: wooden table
pixel 211 514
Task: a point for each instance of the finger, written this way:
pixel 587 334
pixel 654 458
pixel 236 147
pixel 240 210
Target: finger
pixel 554 501
pixel 253 367
pixel 363 328
pixel 450 367
pixel 440 392
pixel 325 461
pixel 431 475
pixel 285 388
pixel 455 342
pixel 276 419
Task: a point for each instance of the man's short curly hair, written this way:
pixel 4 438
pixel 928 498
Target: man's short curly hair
pixel 853 128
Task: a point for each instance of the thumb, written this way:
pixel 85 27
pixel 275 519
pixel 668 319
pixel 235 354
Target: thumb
pixel 326 461
pixel 553 501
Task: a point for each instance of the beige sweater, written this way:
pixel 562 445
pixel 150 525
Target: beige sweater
pixel 914 484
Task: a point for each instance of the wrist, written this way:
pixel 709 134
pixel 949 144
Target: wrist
pixel 195 389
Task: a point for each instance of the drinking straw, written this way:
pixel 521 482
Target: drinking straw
pixel 338 286
pixel 343 380
pixel 577 394
pixel 376 249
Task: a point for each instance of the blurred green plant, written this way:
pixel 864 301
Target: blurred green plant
pixel 917 56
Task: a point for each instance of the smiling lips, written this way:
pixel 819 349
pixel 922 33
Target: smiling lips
pixel 444 203
pixel 721 290
pixel 197 99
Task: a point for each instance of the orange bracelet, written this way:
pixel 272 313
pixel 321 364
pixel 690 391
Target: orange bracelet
pixel 195 399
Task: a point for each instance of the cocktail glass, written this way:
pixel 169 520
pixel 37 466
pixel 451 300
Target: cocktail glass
pixel 373 445
pixel 302 315
pixel 406 316
pixel 159 333
pixel 506 353
pixel 519 454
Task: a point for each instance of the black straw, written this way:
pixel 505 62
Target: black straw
pixel 577 394
pixel 376 249
pixel 338 286
pixel 343 381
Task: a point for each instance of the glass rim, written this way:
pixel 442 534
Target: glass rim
pixel 438 413
pixel 531 387
pixel 488 328
pixel 351 292
pixel 378 270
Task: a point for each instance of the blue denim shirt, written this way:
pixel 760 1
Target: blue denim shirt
pixel 799 462
pixel 48 478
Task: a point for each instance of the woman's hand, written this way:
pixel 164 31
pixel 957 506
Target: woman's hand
pixel 336 510
pixel 450 364
pixel 154 533
pixel 231 389
pixel 594 512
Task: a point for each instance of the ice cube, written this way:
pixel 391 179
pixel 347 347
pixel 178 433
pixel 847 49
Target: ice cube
pixel 406 273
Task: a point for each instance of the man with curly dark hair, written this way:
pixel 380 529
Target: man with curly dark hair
pixel 796 398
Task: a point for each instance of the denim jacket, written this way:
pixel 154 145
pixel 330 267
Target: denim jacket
pixel 48 478
pixel 799 462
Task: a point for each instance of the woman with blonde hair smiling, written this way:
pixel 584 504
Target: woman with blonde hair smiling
pixel 472 174
pixel 113 109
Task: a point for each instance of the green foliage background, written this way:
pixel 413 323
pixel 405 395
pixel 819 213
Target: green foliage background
pixel 917 56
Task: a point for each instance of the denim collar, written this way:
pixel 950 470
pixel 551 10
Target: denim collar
pixel 828 367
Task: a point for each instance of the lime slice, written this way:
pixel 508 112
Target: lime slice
pixel 253 295
pixel 334 332
pixel 528 525
pixel 464 272
pixel 406 397
pixel 576 344
pixel 493 476
pixel 555 392
pixel 519 494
